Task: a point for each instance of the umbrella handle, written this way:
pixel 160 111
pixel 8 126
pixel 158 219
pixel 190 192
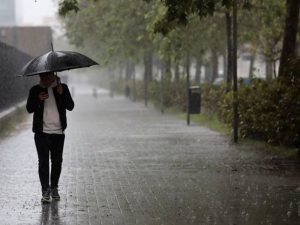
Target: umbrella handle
pixel 57 79
pixel 52 47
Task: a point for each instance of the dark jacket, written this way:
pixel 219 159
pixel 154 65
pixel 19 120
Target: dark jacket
pixel 35 106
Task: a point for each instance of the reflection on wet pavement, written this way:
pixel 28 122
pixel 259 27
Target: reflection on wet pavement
pixel 50 213
pixel 126 164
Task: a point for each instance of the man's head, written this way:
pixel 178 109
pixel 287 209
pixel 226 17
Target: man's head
pixel 47 79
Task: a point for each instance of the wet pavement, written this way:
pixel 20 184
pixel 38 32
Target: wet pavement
pixel 125 164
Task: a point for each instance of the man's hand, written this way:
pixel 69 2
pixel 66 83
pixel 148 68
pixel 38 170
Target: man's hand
pixel 43 96
pixel 59 87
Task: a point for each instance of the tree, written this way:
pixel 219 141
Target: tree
pixel 114 33
pixel 261 31
pixel 178 12
pixel 290 35
pixel 119 33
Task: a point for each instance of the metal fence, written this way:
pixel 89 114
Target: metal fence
pixel 13 89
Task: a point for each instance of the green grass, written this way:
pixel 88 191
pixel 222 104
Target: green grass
pixel 274 150
pixel 211 122
pixel 9 123
pixel 207 121
pixel 214 124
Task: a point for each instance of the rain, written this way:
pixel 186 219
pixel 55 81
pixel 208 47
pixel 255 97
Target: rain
pixel 169 113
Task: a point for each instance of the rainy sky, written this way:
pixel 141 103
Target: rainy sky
pixel 35 12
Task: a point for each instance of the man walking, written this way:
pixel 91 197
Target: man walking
pixel 48 102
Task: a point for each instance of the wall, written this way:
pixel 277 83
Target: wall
pixel 13 89
pixel 34 41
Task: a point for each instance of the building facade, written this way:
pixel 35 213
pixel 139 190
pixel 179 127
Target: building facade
pixel 33 41
pixel 8 13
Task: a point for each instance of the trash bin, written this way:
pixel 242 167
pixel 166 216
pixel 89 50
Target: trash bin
pixel 194 100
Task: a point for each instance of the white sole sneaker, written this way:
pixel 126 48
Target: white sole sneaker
pixel 46 200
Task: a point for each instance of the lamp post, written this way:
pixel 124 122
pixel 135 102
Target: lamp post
pixel 235 120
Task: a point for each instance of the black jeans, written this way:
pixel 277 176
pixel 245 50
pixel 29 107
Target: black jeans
pixel 49 144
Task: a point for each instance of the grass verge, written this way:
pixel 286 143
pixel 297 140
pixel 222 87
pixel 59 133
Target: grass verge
pixel 10 122
pixel 210 122
pixel 272 150
pixel 214 124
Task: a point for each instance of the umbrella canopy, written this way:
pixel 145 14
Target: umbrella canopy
pixel 56 61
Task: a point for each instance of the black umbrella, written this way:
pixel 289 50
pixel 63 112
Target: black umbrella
pixel 56 61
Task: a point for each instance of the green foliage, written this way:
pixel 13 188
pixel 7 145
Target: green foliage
pixel 293 70
pixel 212 122
pixel 262 27
pixel 115 29
pixel 211 97
pixel 10 123
pixel 118 32
pixel 173 94
pixel 268 111
pixel 67 6
pixel 178 12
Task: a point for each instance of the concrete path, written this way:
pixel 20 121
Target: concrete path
pixel 125 164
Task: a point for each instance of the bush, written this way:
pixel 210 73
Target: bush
pixel 173 94
pixel 211 98
pixel 268 110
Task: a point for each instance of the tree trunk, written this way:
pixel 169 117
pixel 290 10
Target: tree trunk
pixel 207 72
pixel 129 70
pixel 269 70
pixel 251 66
pixel 148 60
pixel 290 35
pixel 150 65
pixel 166 76
pixel 229 50
pixel 133 96
pixel 168 73
pixel 162 88
pixel 215 66
pixel 177 72
pixel 146 78
pixel 120 73
pixel 224 57
pixel 188 62
pixel 198 70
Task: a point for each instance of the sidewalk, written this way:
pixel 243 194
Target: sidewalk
pixel 126 164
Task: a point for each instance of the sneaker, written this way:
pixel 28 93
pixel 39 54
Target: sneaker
pixel 54 194
pixel 46 196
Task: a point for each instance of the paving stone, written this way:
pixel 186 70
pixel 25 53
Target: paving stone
pixel 126 164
